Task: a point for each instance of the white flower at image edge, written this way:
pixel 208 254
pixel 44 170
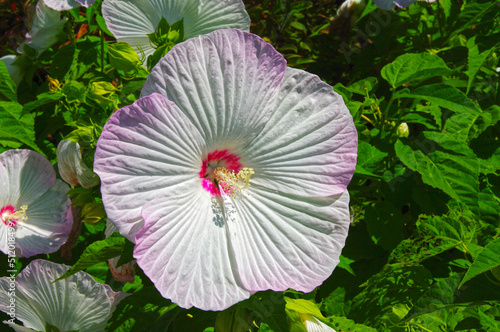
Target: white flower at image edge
pixel 131 21
pixel 60 5
pixel 15 72
pixel 33 203
pixel 71 166
pixel 230 175
pixel 45 30
pixel 77 303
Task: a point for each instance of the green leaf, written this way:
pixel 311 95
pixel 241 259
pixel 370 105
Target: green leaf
pixel 127 254
pixel 233 319
pixel 102 24
pixel 370 159
pixel 345 324
pixel 488 259
pixel 303 306
pixel 270 307
pixel 472 14
pixel 99 251
pixel 411 66
pixel 123 57
pixel 16 129
pixel 454 169
pixel 442 95
pixel 364 86
pixel 480 48
pixel 74 91
pixel 7 85
pixel 384 223
pixel 345 263
pixel 42 99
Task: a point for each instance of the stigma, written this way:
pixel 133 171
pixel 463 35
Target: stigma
pixel 233 183
pixel 10 217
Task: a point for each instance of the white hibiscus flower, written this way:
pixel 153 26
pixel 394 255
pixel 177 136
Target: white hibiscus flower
pixel 231 176
pixel 33 203
pixel 77 303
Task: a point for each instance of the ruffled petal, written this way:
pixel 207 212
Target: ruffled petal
pixel 75 303
pixel 309 146
pixel 47 25
pixel 49 222
pixel 183 248
pixel 286 241
pixel 144 149
pixel 226 82
pixel 26 175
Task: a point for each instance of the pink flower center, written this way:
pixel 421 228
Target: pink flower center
pixel 214 160
pixel 8 215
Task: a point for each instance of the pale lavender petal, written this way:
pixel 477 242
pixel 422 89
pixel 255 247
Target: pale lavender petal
pixel 309 146
pixel 26 175
pixel 61 5
pixel 285 241
pixel 226 82
pixel 144 149
pixel 75 303
pixel 49 222
pixel 183 248
pixel 86 3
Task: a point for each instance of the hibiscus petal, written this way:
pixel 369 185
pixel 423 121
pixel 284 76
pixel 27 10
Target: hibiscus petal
pixel 144 149
pixel 309 145
pixel 214 15
pixel 47 25
pixel 75 303
pixel 49 222
pixel 130 18
pixel 26 175
pixel 183 248
pixel 226 83
pixel 71 166
pixel 61 5
pixel 138 18
pixel 287 241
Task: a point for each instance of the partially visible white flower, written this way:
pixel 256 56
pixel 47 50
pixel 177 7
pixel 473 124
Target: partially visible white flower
pixel 47 25
pixel 390 4
pixel 60 5
pixel 77 303
pixel 15 71
pixel 125 272
pixel 33 205
pixel 71 166
pixel 346 17
pixel 313 324
pixel 131 21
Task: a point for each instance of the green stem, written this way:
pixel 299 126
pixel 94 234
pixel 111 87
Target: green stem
pixel 102 50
